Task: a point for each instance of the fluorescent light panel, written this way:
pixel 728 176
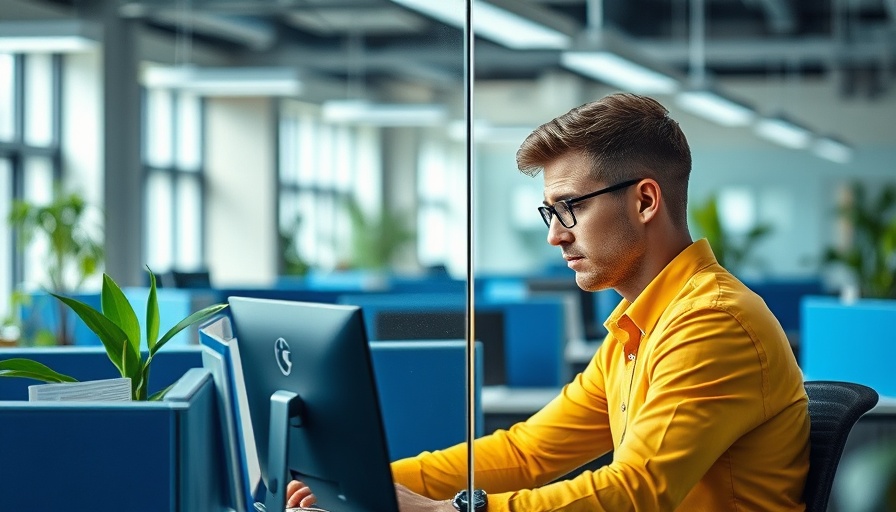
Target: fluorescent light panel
pixel 492 22
pixel 225 81
pixel 56 36
pixel 833 150
pixel 382 114
pixel 485 132
pixel 784 132
pixel 617 71
pixel 715 107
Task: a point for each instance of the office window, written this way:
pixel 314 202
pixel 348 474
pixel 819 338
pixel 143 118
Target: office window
pixel 174 173
pixel 441 186
pixel 6 240
pixel 38 101
pixel 321 166
pixel 30 161
pixel 7 97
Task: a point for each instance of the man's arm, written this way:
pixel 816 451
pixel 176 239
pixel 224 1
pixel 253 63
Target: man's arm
pixel 529 454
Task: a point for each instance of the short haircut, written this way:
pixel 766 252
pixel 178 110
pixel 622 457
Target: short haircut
pixel 626 136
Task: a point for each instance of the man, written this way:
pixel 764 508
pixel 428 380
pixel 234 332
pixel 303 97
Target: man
pixel 695 388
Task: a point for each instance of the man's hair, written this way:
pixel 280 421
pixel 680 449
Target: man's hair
pixel 625 136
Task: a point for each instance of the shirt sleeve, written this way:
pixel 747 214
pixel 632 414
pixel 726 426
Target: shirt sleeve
pixel 529 454
pixel 705 390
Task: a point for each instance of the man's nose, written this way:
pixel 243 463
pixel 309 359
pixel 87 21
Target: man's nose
pixel 557 233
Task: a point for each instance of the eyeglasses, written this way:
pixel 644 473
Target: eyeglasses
pixel 563 208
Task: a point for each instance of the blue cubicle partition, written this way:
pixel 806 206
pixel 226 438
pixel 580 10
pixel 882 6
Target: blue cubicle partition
pixel 174 305
pixel 92 363
pixel 854 342
pixel 107 457
pixel 533 331
pixel 43 313
pixel 784 297
pixel 422 390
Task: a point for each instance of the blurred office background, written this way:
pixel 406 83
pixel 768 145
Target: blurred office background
pixel 202 130
pixel 272 147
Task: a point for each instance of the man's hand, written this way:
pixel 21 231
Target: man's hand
pixel 409 501
pixel 299 495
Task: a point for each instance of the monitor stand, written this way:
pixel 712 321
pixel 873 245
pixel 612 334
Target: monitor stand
pixel 286 412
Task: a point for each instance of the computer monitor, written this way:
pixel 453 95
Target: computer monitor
pixel 313 403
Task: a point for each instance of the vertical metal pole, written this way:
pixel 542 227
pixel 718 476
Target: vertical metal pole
pixel 698 48
pixel 471 306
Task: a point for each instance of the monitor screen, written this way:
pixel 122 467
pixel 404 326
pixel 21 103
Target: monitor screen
pixel 314 360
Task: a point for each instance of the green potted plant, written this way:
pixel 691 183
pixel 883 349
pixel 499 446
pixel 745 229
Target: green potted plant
pixel 119 331
pixel 733 251
pixel 870 255
pixel 74 251
pixel 377 239
pixel 292 262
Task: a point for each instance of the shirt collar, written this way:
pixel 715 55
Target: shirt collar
pixel 645 311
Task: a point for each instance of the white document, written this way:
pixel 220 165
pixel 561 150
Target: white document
pixel 106 390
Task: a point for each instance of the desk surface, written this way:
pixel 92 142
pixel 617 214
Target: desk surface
pixel 580 351
pixel 507 400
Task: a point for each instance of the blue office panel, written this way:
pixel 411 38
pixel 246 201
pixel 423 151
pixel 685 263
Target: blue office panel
pixel 534 342
pixel 422 390
pixel 175 304
pixel 134 456
pixel 43 313
pixel 783 298
pixel 853 342
pixel 92 363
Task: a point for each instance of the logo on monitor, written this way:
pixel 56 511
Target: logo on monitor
pixel 281 352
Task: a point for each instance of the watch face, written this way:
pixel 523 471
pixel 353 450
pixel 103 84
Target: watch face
pixel 480 501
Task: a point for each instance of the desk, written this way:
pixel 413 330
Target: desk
pixel 502 406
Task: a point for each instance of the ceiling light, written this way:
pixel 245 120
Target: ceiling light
pixel 832 149
pixel 382 114
pixel 486 132
pixel 785 132
pixel 615 70
pixel 715 107
pixel 499 24
pixel 225 81
pixel 55 36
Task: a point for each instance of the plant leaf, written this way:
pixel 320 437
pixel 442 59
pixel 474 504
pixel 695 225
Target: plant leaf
pixel 118 309
pixel 152 313
pixel 158 395
pixel 112 337
pixel 20 367
pixel 196 317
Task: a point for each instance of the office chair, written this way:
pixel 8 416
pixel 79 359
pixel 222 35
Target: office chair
pixel 834 407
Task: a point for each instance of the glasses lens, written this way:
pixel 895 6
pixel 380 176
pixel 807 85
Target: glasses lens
pixel 545 215
pixel 564 213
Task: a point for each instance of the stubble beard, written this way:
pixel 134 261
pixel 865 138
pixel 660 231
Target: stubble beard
pixel 618 262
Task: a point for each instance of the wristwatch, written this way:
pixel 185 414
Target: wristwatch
pixel 480 501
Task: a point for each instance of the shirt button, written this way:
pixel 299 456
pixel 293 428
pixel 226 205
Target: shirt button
pixel 631 357
pixel 622 407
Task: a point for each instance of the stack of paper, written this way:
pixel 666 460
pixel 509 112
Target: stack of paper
pixel 107 390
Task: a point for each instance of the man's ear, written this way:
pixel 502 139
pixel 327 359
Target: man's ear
pixel 649 198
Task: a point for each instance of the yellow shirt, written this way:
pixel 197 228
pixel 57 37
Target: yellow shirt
pixel 696 390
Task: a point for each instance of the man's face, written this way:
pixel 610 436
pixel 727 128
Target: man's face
pixel 606 245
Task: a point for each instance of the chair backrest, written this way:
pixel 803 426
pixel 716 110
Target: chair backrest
pixel 834 407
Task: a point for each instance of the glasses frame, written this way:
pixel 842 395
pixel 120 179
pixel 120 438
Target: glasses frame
pixel 549 212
